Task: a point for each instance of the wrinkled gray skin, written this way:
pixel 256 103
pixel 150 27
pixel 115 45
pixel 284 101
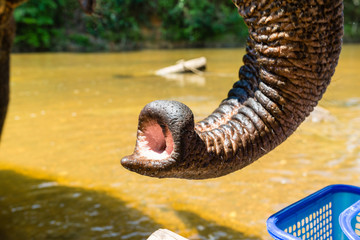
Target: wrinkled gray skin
pixel 7 33
pixel 291 55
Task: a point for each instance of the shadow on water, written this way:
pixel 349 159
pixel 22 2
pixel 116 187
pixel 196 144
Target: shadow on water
pixel 33 208
pixel 42 209
pixel 208 230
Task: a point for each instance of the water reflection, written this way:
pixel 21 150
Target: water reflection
pixel 185 79
pixel 73 116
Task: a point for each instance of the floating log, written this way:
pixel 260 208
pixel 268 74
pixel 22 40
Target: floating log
pixel 164 234
pixel 196 65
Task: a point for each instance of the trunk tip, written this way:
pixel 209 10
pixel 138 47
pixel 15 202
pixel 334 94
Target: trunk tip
pixel 163 132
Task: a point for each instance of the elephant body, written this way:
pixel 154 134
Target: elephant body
pixel 291 55
pixel 7 32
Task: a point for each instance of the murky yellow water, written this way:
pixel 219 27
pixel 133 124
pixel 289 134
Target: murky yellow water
pixel 73 116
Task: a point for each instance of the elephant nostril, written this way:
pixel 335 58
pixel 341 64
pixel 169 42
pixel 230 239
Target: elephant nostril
pixel 155 138
pixel 156 141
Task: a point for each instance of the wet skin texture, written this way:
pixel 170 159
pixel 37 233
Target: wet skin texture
pixel 291 55
pixel 7 33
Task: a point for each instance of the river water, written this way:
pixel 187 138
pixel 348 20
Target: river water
pixel 73 116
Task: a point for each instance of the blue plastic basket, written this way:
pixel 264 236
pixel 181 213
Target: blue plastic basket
pixel 350 221
pixel 315 217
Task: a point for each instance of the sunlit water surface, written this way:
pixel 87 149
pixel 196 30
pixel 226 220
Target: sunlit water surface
pixel 73 116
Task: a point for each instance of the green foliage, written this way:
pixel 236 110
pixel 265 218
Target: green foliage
pixel 60 25
pixel 116 23
pixel 352 20
pixel 35 24
pixel 199 21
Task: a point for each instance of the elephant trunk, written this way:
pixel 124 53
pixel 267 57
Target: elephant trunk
pixel 291 55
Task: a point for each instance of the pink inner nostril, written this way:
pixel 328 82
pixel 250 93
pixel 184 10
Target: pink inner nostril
pixel 156 140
